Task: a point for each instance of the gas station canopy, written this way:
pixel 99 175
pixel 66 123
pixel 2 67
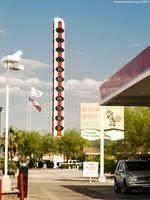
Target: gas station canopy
pixel 130 86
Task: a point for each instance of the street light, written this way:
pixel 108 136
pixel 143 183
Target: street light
pixel 10 65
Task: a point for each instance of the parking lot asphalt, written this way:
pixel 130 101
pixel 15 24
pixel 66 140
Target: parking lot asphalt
pixel 55 183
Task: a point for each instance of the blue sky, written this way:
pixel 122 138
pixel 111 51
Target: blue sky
pixel 101 37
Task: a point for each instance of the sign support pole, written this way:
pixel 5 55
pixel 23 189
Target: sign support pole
pixel 102 177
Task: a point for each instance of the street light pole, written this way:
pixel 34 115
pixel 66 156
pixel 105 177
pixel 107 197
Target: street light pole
pixel 7 120
pixel 10 64
pixel 102 177
pixel 1 108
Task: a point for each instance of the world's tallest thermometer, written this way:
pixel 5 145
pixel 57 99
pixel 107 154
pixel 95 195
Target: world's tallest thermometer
pixel 58 77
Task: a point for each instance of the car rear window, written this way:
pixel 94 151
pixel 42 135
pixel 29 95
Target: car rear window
pixel 137 165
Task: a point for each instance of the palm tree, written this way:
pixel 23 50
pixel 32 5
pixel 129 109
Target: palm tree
pixel 14 138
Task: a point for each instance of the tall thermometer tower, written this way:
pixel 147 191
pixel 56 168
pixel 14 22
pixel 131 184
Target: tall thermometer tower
pixel 58 77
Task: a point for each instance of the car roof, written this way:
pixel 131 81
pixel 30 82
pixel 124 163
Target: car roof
pixel 133 160
pixel 136 160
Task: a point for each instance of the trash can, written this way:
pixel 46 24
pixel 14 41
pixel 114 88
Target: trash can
pixel 24 171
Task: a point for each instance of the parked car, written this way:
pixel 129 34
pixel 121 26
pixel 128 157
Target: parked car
pixel 132 174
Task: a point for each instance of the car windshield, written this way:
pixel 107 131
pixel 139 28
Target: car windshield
pixel 137 165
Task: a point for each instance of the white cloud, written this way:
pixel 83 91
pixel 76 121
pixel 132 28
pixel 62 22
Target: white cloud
pixel 33 64
pixel 2 80
pixel 37 83
pixel 81 53
pixel 2 32
pixel 19 87
pixel 84 88
pixel 2 91
pixel 136 45
pixel 76 91
pixel 24 83
pixel 80 85
pixel 16 91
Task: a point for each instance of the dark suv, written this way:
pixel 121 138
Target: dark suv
pixel 132 174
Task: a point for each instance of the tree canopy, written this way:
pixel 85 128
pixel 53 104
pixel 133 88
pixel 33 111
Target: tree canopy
pixel 34 144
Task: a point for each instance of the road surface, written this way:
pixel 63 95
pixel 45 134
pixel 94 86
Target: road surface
pixel 56 184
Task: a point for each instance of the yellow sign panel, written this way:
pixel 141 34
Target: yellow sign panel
pixel 113 121
pixel 113 118
pixel 90 116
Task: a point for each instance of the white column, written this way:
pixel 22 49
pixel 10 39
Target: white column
pixel 102 177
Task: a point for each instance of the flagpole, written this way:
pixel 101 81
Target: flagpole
pixel 35 93
pixel 30 119
pixel 27 115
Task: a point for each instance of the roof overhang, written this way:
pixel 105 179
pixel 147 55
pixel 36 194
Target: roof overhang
pixel 130 86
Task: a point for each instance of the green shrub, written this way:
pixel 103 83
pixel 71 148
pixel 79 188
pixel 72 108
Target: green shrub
pixel 1 163
pixel 70 165
pixel 64 166
pixel 12 166
pixel 109 166
pixel 31 164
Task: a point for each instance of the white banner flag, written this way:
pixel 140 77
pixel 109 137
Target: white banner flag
pixel 35 92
